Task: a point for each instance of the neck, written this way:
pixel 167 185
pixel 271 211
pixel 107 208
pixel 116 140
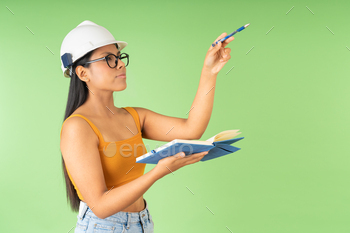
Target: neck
pixel 101 105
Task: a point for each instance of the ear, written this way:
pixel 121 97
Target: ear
pixel 81 72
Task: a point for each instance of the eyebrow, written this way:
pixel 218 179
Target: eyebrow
pixel 110 53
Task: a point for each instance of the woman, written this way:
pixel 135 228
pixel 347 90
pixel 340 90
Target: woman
pixel 103 182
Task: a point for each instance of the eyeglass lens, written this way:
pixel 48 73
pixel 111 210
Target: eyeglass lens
pixel 112 60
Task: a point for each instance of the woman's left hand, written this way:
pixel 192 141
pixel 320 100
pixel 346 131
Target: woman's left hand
pixel 218 55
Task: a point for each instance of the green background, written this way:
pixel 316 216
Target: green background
pixel 289 97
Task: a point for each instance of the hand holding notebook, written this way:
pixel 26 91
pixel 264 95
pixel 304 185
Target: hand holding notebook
pixel 170 164
pixel 218 146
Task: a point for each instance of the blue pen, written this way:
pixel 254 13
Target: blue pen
pixel 238 30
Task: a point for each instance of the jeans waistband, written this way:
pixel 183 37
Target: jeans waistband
pixel 120 216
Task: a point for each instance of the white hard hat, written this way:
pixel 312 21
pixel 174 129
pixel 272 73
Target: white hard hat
pixel 86 37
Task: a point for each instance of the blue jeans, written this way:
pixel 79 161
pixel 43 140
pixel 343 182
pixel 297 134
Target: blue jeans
pixel 121 222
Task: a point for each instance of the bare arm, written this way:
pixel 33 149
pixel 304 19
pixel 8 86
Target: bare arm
pixel 79 147
pixel 165 128
pixel 202 106
pixel 119 198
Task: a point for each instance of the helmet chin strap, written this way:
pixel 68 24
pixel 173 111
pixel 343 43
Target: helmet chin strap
pixel 70 68
pixel 70 71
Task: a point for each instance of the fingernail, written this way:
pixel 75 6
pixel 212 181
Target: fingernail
pixel 225 55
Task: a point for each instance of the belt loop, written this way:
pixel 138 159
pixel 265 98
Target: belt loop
pixel 82 209
pixel 128 220
pixel 149 216
pixel 141 222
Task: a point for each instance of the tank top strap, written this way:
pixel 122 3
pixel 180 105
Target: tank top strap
pixel 94 128
pixel 135 115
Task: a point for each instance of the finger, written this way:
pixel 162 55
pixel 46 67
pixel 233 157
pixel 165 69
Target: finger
pixel 192 156
pixel 224 52
pixel 196 156
pixel 225 59
pixel 219 37
pixel 195 160
pixel 216 48
pixel 227 51
pixel 180 155
pixel 227 41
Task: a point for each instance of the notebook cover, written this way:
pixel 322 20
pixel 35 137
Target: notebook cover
pixel 172 150
pixel 219 151
pixel 228 141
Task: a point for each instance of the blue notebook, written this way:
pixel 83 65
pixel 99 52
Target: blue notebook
pixel 218 145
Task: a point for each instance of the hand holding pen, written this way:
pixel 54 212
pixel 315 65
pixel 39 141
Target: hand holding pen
pixel 228 36
pixel 217 55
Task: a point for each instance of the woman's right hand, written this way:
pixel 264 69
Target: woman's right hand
pixel 171 163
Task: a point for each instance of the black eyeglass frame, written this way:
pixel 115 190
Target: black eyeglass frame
pixel 116 61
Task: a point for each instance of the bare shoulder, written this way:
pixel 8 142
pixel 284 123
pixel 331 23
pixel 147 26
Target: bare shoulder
pixel 141 111
pixel 77 128
pixel 142 114
pixel 79 147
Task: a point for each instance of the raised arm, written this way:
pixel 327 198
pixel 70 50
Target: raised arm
pixel 165 128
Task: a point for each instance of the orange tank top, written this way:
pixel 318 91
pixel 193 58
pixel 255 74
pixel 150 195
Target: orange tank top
pixel 118 158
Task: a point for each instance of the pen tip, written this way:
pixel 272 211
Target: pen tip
pixel 246 25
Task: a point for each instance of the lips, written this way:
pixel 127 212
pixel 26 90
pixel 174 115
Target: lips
pixel 123 75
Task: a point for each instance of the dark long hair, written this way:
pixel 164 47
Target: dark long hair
pixel 77 95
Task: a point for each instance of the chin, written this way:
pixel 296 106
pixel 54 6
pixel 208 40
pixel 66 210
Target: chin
pixel 121 88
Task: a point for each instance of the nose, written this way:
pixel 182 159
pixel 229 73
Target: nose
pixel 120 64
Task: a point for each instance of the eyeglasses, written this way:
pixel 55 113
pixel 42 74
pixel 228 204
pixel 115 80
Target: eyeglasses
pixel 112 60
